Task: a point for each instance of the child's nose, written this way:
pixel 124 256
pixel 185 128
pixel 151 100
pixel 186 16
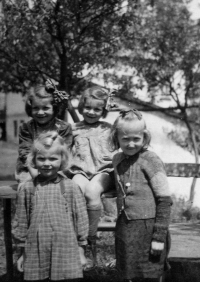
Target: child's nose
pixel 40 112
pixel 132 144
pixel 91 111
pixel 46 162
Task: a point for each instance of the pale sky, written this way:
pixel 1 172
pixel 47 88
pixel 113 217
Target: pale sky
pixel 195 9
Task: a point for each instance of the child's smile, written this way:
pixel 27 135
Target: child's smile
pixel 92 110
pixel 42 110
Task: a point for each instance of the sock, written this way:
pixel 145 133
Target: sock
pixel 94 213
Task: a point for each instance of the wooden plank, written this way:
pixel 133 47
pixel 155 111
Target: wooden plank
pixel 182 169
pixel 106 226
pixel 9 191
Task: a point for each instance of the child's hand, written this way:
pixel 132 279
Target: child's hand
pixel 33 172
pixel 156 248
pixel 20 263
pixel 82 256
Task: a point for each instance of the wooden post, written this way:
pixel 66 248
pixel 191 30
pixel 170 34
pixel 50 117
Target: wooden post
pixel 8 238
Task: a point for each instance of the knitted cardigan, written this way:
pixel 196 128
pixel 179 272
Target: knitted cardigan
pixel 147 193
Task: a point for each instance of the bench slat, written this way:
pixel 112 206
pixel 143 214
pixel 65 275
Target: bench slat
pixel 8 189
pixel 182 170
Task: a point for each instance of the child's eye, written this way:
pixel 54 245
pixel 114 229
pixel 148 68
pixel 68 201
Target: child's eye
pixel 98 110
pixel 53 159
pixel 40 159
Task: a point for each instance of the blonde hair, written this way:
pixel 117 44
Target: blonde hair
pixel 46 141
pixel 94 92
pixel 127 116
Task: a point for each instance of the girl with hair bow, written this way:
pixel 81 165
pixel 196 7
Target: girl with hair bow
pixel 42 104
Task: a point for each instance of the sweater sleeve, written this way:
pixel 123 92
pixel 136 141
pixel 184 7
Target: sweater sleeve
pixel 80 216
pixel 163 208
pixel 155 171
pixel 65 131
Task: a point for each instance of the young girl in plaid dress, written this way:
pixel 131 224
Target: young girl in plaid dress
pixel 143 201
pixel 43 103
pixel 52 218
pixel 91 167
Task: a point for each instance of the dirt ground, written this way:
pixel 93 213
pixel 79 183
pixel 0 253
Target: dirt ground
pixel 185 240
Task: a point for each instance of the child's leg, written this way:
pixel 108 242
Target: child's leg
pixel 92 191
pixel 81 181
pixel 98 184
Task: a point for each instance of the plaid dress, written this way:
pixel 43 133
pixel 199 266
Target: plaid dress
pixel 52 222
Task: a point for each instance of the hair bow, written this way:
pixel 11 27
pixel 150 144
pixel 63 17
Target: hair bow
pixel 109 103
pixel 123 113
pixel 58 96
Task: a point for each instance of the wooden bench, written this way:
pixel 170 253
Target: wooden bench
pixel 8 191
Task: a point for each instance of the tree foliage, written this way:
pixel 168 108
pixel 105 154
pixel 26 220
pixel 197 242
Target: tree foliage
pixel 54 39
pixel 161 45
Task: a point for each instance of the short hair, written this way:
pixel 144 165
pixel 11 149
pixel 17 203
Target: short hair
pixel 129 115
pixel 41 92
pixel 47 140
pixel 95 92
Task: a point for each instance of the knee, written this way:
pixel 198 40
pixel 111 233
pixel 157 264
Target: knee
pixel 92 196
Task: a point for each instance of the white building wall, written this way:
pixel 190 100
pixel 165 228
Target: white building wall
pixel 15 115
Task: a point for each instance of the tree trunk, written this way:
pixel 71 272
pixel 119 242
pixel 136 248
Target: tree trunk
pixel 65 84
pixel 192 192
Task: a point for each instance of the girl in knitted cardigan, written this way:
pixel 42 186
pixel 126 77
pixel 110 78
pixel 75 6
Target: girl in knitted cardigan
pixel 143 201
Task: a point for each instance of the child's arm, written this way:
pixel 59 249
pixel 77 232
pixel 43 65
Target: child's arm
pixel 25 143
pixel 159 184
pixel 80 216
pixel 65 131
pixel 21 217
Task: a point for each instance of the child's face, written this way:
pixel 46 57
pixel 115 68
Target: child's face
pixel 42 110
pixel 48 162
pixel 92 110
pixel 131 137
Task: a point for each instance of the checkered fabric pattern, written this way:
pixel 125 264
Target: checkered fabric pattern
pixel 52 225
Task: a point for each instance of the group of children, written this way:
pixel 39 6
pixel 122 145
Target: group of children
pixel 63 170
